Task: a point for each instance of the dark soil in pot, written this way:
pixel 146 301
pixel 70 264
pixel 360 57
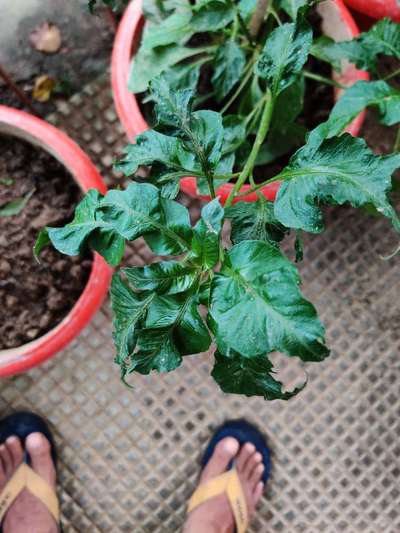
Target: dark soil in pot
pixel 34 297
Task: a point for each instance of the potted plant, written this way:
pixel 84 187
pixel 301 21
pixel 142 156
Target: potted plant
pixel 377 9
pixel 17 124
pixel 337 23
pixel 244 296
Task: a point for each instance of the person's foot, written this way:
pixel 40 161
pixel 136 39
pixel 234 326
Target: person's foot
pixel 215 515
pixel 27 513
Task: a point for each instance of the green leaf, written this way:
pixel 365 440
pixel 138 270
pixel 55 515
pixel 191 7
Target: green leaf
pixel 382 38
pixel 155 10
pixel 86 229
pixel 207 234
pixel 280 143
pixel 299 247
pixel 7 181
pixel 340 170
pixel 234 133
pixel 152 146
pixel 284 55
pixel 156 350
pixel 257 307
pixel 166 277
pixel 207 137
pixel 292 6
pixel 326 49
pixel 246 7
pixel 42 241
pixel 251 376
pixel 14 207
pixel 147 64
pixel 140 211
pixel 212 15
pixel 288 106
pixel 183 76
pixel 179 314
pixel 133 211
pixel 128 308
pixel 172 107
pixel 229 63
pixel 174 29
pixel 363 94
pixel 255 221
pixel 173 232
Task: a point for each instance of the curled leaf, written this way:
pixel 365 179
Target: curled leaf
pixel 46 38
pixel 14 207
pixel 44 86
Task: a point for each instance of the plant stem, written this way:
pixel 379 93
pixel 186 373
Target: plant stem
pixel 322 79
pixel 392 75
pixel 258 186
pixel 243 83
pixel 18 92
pixel 257 18
pixel 396 146
pixel 245 30
pixel 260 137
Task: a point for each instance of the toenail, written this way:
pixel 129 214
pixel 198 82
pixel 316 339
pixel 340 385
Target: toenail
pixel 258 457
pixel 260 468
pixel 231 445
pixel 250 447
pixel 11 439
pixel 36 441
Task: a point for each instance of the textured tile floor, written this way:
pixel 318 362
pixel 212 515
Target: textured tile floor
pixel 129 458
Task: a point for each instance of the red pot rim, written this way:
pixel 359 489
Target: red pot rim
pixel 128 110
pixel 377 9
pixel 40 133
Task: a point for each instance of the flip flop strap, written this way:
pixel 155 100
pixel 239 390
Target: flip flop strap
pixel 25 477
pixel 229 484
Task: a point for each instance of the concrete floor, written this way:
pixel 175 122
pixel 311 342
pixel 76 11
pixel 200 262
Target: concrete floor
pixel 83 56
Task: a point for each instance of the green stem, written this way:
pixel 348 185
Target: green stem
pixel 396 147
pixel 392 75
pixel 245 29
pixel 260 137
pixel 274 13
pixel 259 186
pixel 243 83
pixel 254 111
pixel 322 79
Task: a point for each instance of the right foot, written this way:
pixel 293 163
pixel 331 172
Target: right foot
pixel 27 513
pixel 215 515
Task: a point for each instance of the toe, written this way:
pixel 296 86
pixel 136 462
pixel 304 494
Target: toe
pixel 39 451
pixel 224 452
pixel 256 476
pixel 258 492
pixel 6 460
pixel 251 463
pixel 13 444
pixel 246 451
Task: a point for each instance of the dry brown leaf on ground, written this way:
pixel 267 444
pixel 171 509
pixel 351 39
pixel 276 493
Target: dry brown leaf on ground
pixel 46 38
pixel 43 88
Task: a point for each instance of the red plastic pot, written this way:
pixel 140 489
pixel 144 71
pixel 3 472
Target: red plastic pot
pixel 377 9
pixel 42 134
pixel 337 23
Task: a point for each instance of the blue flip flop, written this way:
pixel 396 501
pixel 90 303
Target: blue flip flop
pixel 22 424
pixel 229 483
